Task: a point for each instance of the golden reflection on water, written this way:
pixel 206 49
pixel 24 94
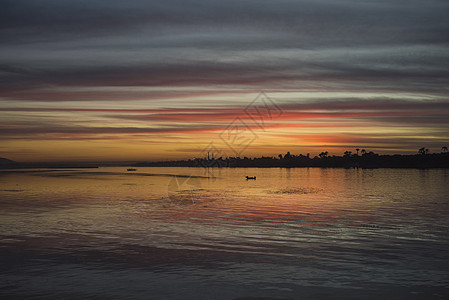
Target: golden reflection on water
pixel 295 227
pixel 275 195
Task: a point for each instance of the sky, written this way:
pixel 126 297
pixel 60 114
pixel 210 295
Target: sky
pixel 88 80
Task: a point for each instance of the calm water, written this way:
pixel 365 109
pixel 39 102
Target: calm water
pixel 180 233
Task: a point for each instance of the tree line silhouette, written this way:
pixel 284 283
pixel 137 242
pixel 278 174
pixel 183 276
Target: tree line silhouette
pixel 361 158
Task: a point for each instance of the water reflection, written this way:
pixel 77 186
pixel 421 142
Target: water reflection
pixel 292 230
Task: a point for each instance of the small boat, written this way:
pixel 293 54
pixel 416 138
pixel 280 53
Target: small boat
pixel 129 170
pixel 250 177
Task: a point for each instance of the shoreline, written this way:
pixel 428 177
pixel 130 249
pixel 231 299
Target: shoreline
pixel 366 161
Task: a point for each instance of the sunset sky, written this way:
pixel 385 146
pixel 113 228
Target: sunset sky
pixel 154 80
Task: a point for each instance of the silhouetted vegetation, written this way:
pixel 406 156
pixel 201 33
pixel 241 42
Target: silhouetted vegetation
pixel 366 159
pixel 361 159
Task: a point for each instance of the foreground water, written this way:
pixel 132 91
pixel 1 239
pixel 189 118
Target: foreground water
pixel 183 233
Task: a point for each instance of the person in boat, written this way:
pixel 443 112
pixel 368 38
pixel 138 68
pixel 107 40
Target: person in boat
pixel 249 177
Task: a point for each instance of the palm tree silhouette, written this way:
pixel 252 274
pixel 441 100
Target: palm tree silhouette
pixel 423 151
pixel 444 149
pixel 357 151
pixel 323 154
pixel 363 151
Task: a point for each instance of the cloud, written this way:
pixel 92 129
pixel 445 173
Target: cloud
pixel 263 43
pixel 290 105
pixel 365 20
pixel 78 69
pixel 307 115
pixel 80 132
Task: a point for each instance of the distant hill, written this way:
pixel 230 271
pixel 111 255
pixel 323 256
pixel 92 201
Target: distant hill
pixel 7 163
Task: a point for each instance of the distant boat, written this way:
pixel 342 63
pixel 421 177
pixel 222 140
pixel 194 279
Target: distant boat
pixel 129 170
pixel 249 177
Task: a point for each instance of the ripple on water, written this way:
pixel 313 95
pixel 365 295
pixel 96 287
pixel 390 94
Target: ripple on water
pixel 276 236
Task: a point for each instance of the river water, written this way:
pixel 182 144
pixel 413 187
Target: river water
pixel 192 233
